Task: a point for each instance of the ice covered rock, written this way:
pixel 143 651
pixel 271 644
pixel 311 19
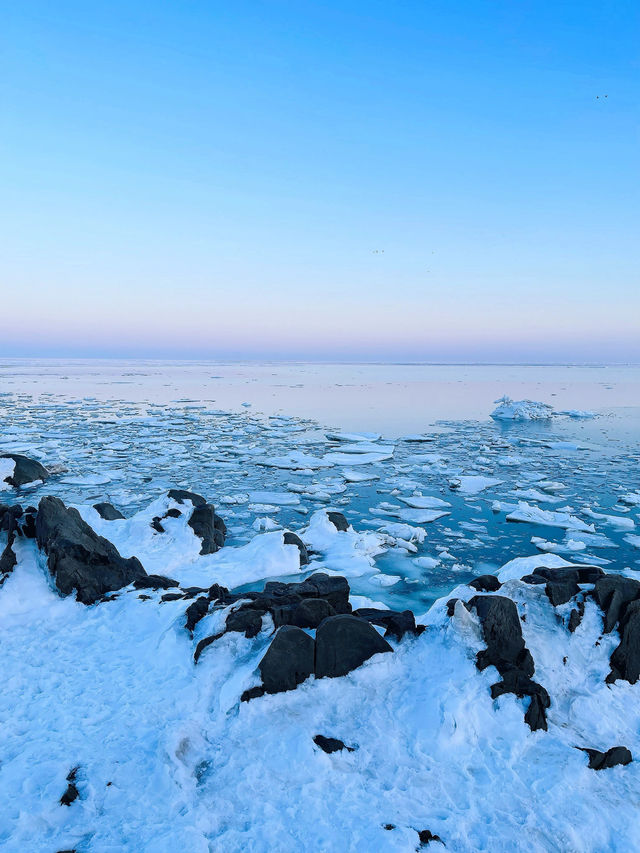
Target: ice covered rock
pixel 293 539
pixel 208 527
pixel 396 623
pixel 25 470
pixel 338 520
pixel 78 558
pixel 289 660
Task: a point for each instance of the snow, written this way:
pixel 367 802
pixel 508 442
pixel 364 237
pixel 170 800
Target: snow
pixel 7 467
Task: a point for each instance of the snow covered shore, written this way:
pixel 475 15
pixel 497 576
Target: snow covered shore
pixel 103 702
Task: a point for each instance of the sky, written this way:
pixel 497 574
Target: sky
pixel 401 181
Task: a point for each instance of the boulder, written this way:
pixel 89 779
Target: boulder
pixel 612 757
pixel 288 660
pixel 26 470
pixel 78 558
pixel 426 837
pixel 247 622
pixel 338 520
pixel 485 583
pixel 625 659
pixel 108 511
pixel 614 593
pixel 203 524
pixel 397 623
pixel 502 634
pixel 293 539
pixel 181 496
pixel 310 612
pixel 344 643
pixel 195 612
pixel 155 582
pixel 560 591
pixel 331 744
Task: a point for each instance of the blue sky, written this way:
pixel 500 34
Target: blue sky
pixel 339 180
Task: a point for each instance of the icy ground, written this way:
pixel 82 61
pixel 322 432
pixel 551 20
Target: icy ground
pixel 168 757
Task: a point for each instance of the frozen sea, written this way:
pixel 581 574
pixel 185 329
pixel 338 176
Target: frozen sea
pixel 436 492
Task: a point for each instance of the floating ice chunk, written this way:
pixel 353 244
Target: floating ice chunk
pixel 338 458
pixel 578 414
pixel 361 447
pixel 353 436
pixel 277 498
pixel 414 516
pixel 358 476
pixel 472 484
pixel 385 580
pixel 572 546
pixel 535 495
pixel 423 501
pixel 404 531
pixel 263 525
pixel 296 460
pixel 633 540
pixel 87 480
pixel 426 562
pixel 534 515
pixel 631 499
pixel 522 410
pixel 520 566
pixel 349 552
pixel 620 522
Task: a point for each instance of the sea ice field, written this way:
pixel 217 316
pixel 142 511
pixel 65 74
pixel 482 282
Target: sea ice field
pixel 443 474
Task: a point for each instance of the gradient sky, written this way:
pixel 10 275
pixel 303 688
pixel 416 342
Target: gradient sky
pixel 209 179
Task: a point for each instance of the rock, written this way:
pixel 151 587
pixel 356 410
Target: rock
pixel 78 558
pixel 535 716
pixel 203 523
pixel 8 562
pixel 172 513
pixel 252 693
pixel 108 511
pixel 612 757
pixel 397 623
pixel 310 612
pixel 156 524
pixel 614 593
pixel 485 583
pixel 72 792
pixel 625 659
pixel 288 661
pixel 180 496
pixel 155 582
pixel 561 591
pixel 334 589
pixel 331 744
pixel 248 622
pixel 195 612
pixel 203 644
pixel 217 592
pixel 532 579
pixel 338 520
pixel 575 617
pixel 29 525
pixel 344 643
pixel 26 470
pixel 578 574
pixel 172 596
pixel 426 837
pixel 293 539
pixel 502 634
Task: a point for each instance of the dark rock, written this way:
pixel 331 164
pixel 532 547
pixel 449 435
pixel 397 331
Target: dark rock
pixel 180 496
pixel 192 591
pixel 501 630
pixel 338 520
pixel 561 591
pixel 217 592
pixel 172 513
pixel 533 579
pixel 203 524
pixel 288 661
pixel 334 589
pixel 155 582
pixel 77 557
pixel 625 659
pixel 293 539
pixel 9 516
pixel 156 524
pixel 614 593
pixel 8 560
pixel 426 837
pixel 397 623
pixel 72 792
pixel 575 617
pixel 247 621
pixel 612 757
pixel 310 612
pixel 108 511
pixel 26 470
pixel 29 525
pixel 451 606
pixel 252 693
pixel 172 596
pixel 195 612
pixel 203 644
pixel 331 744
pixel 535 716
pixel 486 583
pixel 345 642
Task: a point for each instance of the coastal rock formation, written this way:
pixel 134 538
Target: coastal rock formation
pixel 25 471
